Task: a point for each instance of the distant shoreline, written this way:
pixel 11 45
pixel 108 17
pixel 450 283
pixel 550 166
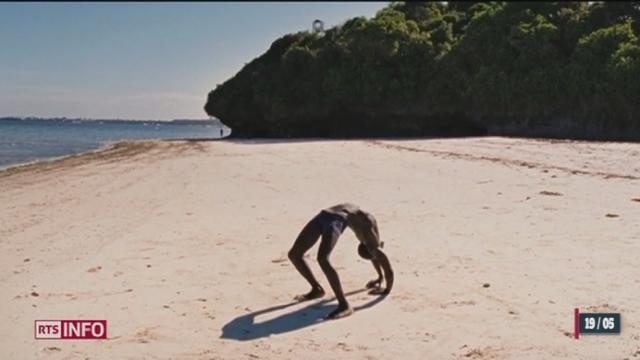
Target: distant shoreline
pixel 20 166
pixel 105 148
pixel 213 121
pixel 23 141
pixel 110 148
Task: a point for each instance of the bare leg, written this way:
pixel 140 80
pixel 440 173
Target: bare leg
pixel 307 238
pixel 388 273
pixel 329 239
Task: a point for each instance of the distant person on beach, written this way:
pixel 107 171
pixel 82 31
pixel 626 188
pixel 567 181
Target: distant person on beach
pixel 221 132
pixel 329 224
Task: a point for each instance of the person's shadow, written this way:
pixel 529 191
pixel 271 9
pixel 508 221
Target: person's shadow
pixel 244 327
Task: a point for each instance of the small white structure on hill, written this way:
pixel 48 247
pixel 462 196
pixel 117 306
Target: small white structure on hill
pixel 317 26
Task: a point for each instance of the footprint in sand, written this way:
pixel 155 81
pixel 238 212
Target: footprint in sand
pixel 344 347
pixel 145 336
pixel 476 353
pixel 209 315
pixel 458 303
pixel 94 269
pixel 603 308
pixel 550 193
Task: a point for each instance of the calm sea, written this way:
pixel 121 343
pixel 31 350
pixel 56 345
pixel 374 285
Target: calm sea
pixel 29 140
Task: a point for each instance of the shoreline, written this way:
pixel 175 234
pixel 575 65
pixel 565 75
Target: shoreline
pixel 119 145
pixel 24 146
pixel 104 148
pixel 33 164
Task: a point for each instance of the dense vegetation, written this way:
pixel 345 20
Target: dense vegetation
pixel 524 68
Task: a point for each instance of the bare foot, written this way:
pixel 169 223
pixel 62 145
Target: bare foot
pixel 374 284
pixel 379 291
pixel 313 294
pixel 340 312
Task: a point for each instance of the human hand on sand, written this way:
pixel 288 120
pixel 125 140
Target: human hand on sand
pixel 374 284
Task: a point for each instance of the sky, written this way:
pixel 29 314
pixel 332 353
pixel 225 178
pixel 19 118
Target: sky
pixel 139 60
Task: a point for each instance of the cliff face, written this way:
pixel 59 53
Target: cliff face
pixel 429 69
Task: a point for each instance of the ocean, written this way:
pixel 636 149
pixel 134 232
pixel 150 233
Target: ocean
pixel 27 140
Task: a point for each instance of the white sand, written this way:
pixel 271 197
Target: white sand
pixel 182 247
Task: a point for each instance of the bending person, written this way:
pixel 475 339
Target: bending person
pixel 329 224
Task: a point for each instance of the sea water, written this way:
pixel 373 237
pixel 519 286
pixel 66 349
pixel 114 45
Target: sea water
pixel 27 140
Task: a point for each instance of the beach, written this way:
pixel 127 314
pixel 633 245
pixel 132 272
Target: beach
pixel 182 247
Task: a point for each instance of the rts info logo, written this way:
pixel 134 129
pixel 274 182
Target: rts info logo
pixel 71 329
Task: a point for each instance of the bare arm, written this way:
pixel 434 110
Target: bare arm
pixel 383 260
pixel 380 260
pixel 376 282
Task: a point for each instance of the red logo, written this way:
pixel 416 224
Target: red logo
pixel 70 329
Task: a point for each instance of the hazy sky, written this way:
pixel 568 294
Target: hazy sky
pixel 139 60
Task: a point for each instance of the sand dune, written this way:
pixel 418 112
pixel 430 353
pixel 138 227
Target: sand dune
pixel 182 247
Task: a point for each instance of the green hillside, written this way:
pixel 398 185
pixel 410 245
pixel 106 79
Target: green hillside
pixel 559 69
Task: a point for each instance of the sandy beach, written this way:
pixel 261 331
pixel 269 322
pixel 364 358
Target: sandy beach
pixel 181 246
